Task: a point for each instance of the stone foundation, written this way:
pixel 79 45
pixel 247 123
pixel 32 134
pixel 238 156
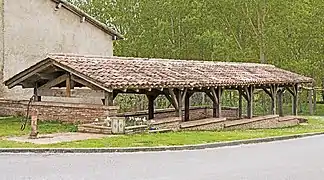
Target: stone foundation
pixel 64 112
pixel 196 113
pixel 263 122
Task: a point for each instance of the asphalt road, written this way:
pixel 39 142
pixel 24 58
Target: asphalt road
pixel 301 159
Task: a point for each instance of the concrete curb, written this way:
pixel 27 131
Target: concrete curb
pixel 155 149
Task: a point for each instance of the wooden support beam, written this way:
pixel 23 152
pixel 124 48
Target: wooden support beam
pixel 217 109
pixel 187 105
pixel 219 104
pixel 48 76
pixel 315 99
pixel 37 97
pixel 55 82
pixel 242 91
pixel 109 98
pixel 294 92
pixel 210 96
pixel 180 104
pixel 68 85
pixel 280 101
pixel 213 96
pixel 240 105
pixel 273 92
pixel 187 108
pixel 295 100
pixel 249 92
pixel 173 98
pixel 115 93
pixel 310 102
pixel 291 91
pixel 267 92
pixel 151 100
pixel 84 82
pixel 184 93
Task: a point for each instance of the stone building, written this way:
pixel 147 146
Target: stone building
pixel 29 30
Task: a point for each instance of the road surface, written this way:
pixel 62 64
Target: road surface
pixel 301 159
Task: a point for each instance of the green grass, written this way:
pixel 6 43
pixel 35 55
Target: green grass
pixel 10 127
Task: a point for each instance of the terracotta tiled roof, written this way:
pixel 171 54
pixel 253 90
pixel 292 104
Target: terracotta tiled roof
pixel 128 73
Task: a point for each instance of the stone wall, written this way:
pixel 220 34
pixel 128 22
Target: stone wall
pixel 196 113
pixel 1 46
pixel 64 112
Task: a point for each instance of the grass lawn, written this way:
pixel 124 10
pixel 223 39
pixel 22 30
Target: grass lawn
pixel 10 127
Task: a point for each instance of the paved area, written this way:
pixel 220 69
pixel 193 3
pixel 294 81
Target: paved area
pixel 287 160
pixel 57 138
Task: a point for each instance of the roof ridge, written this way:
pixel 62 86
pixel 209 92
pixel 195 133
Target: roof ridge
pixel 159 60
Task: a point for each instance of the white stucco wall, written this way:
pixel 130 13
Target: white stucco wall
pixel 1 46
pixel 33 29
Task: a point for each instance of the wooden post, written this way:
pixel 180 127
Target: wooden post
pixel 315 100
pixel 216 95
pixel 250 102
pixel 274 90
pixel 37 97
pixel 151 106
pixel 180 105
pixel 240 104
pixel 187 107
pixel 280 108
pixel 310 101
pixel 219 104
pixel 214 109
pixel 109 98
pixel 68 86
pixel 295 100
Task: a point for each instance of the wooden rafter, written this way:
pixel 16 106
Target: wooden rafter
pixel 54 82
pixel 84 82
pixel 76 73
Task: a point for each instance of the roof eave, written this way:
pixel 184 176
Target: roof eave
pixel 18 78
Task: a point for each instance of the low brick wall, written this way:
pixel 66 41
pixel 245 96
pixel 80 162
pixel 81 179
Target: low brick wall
pixel 167 123
pixel 196 113
pixel 211 124
pixel 64 112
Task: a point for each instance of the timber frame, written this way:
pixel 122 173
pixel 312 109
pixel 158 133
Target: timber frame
pixel 52 78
